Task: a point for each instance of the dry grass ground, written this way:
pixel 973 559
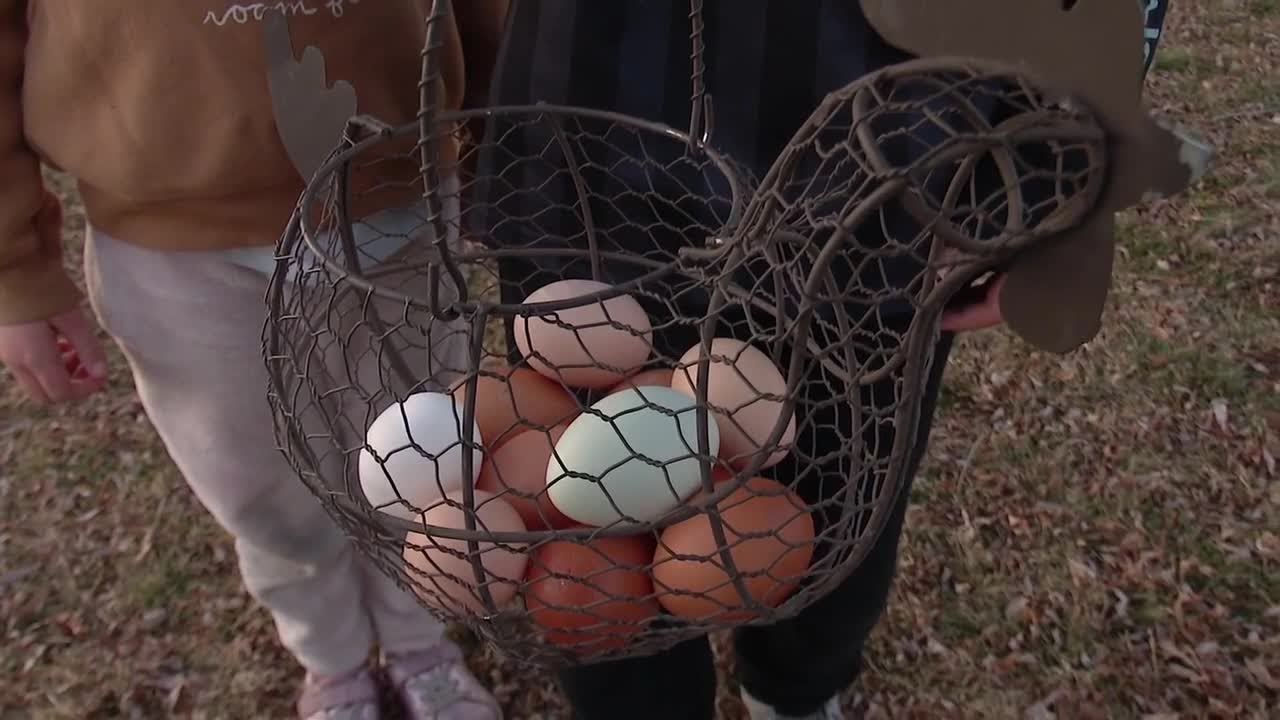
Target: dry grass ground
pixel 1095 536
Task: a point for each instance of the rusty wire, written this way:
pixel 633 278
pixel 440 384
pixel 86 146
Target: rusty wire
pixel 399 277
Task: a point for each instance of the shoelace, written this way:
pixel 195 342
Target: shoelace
pixel 346 697
pixel 435 688
pixel 361 711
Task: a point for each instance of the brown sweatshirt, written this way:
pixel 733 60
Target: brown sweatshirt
pixel 160 110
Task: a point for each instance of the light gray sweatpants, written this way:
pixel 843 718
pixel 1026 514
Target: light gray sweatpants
pixel 190 325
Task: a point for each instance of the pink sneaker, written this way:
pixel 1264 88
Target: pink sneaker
pixel 436 685
pixel 353 696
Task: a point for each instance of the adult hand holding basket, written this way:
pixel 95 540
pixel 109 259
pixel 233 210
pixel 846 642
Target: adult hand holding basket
pixel 596 392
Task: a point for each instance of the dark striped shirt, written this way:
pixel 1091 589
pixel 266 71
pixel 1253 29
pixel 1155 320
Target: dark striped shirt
pixel 769 64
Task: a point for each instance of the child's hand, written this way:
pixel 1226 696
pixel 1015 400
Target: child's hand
pixel 978 315
pixel 59 360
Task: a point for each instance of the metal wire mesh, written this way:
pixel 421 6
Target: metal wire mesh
pixel 592 391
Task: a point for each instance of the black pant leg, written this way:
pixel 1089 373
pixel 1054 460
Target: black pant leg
pixel 796 665
pixel 678 684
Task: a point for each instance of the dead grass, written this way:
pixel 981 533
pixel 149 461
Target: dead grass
pixel 1095 536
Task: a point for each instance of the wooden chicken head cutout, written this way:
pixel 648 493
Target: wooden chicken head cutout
pixel 310 113
pixel 1091 52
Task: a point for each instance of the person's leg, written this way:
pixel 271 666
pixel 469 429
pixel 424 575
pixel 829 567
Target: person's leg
pixel 190 328
pixel 796 667
pixel 375 351
pixel 677 684
pixel 190 325
pixel 428 672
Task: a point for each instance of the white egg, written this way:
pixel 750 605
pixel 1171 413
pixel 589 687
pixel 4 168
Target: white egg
pixel 433 422
pixel 647 466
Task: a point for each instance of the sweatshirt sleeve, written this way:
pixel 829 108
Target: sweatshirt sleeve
pixel 34 285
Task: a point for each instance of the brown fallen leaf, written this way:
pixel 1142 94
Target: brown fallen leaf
pixel 1018 610
pixel 1081 573
pixel 1258 670
pixel 1043 710
pixel 1220 414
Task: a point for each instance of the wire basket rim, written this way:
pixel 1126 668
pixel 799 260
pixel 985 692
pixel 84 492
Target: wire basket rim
pixel 876 477
pixel 350 148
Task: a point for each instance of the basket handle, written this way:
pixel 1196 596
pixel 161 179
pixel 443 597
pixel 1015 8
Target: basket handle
pixel 430 90
pixel 700 115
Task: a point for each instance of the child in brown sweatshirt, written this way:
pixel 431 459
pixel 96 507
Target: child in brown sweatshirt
pixel 161 111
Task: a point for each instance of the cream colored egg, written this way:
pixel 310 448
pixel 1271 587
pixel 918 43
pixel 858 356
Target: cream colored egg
pixel 584 345
pixel 443 568
pixel 739 378
pixel 407 477
pixel 605 452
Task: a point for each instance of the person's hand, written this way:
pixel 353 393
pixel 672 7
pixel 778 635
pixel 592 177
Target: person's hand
pixel 979 315
pixel 55 361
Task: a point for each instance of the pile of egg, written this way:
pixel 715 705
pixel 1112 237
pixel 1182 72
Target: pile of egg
pixel 540 463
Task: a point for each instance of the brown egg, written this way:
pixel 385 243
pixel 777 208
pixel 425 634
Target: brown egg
pixel 688 558
pixel 520 464
pixel 738 379
pixel 583 344
pixel 604 597
pixel 720 473
pixel 660 377
pixel 449 579
pixel 521 400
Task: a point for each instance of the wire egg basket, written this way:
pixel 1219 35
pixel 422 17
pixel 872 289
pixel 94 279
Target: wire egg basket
pixel 592 390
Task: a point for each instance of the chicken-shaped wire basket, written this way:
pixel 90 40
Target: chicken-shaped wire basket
pixel 578 383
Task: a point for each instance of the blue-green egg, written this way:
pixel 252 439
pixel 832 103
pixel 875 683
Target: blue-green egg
pixel 637 448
